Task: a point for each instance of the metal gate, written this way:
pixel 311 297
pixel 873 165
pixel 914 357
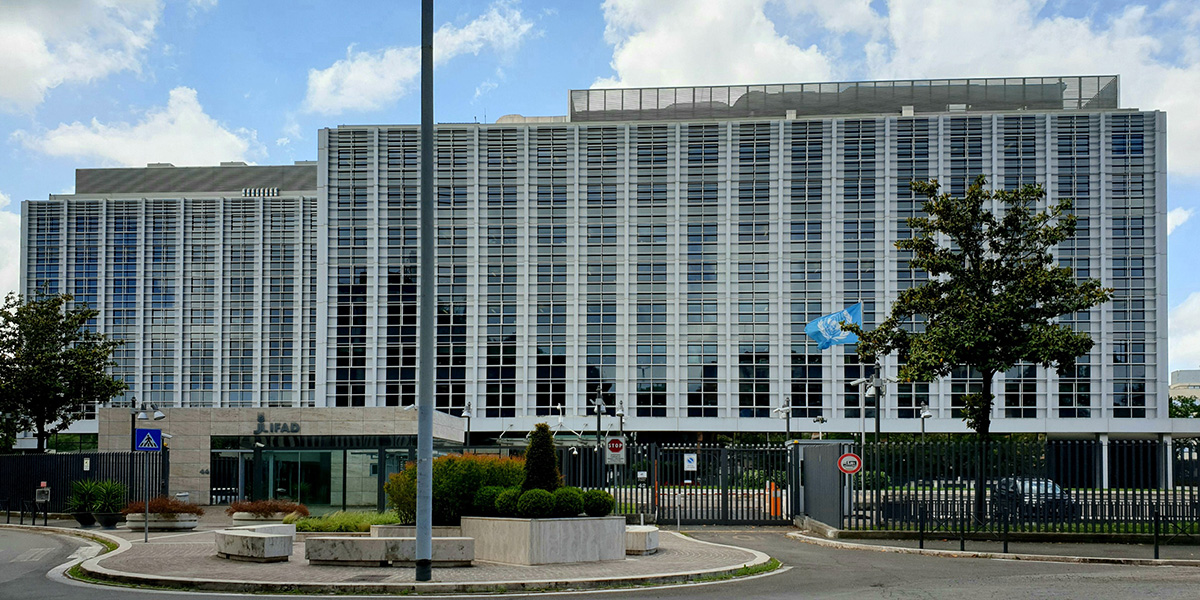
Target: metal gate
pixel 231 476
pixel 693 484
pixel 823 484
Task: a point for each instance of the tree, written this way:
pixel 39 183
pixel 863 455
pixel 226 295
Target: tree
pixel 51 364
pixel 994 293
pixel 541 461
pixel 1184 407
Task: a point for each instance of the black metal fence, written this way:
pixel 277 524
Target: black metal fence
pixel 690 484
pixel 1006 485
pixel 21 474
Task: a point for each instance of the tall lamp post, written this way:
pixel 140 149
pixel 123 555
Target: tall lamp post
pixel 925 414
pixel 466 414
pixel 621 417
pixel 136 414
pixel 820 420
pixel 598 406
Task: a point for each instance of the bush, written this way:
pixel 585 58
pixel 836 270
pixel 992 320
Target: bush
pixel 568 502
pixel 348 521
pixel 83 496
pixel 871 480
pixel 266 508
pixel 506 502
pixel 758 478
pixel 110 497
pixel 598 503
pixel 535 504
pixel 165 506
pixel 485 501
pixel 541 461
pixel 456 479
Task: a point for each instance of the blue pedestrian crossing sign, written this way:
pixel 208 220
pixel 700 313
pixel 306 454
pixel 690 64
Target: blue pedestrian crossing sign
pixel 148 440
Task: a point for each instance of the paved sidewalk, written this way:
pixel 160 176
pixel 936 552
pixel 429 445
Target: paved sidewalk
pixel 188 559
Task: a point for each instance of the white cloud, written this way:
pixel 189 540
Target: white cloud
pixel 179 133
pixel 1184 334
pixel 47 44
pixel 1154 52
pixel 371 80
pixel 699 42
pixel 1177 217
pixel 197 6
pixel 283 141
pixel 10 247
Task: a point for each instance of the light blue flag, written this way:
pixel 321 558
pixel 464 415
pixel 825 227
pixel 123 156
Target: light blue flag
pixel 827 331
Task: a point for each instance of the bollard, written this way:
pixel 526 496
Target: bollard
pixel 1156 533
pixel 962 533
pixel 921 526
pixel 1006 534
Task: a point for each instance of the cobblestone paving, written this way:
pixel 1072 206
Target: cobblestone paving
pixel 192 556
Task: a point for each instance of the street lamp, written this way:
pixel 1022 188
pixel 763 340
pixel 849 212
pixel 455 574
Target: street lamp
pixel 139 414
pixel 466 414
pixel 925 414
pixel 598 405
pixel 621 416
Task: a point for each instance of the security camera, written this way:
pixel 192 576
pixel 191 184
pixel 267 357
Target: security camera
pixel 860 381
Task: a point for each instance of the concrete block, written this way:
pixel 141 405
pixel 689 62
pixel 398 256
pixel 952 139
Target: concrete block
pixel 546 541
pixel 411 531
pixel 382 552
pixel 256 543
pixel 641 539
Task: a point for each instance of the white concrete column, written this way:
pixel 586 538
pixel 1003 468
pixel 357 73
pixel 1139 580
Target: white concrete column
pixel 1104 460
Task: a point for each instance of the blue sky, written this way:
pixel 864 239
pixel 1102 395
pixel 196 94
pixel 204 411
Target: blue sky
pixel 92 83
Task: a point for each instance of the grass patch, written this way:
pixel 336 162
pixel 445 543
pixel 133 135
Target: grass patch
pixel 348 521
pixel 745 571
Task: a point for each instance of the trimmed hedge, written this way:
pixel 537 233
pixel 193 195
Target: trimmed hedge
pixel 456 480
pixel 598 503
pixel 568 502
pixel 506 502
pixel 541 461
pixel 485 501
pixel 535 504
pixel 164 505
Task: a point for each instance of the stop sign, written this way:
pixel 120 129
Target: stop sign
pixel 616 445
pixel 614 451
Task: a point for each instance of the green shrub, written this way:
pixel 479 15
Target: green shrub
pixel 456 480
pixel 597 503
pixel 349 521
pixel 110 497
pixel 541 461
pixel 568 502
pixel 871 480
pixel 758 478
pixel 83 496
pixel 506 502
pixel 535 504
pixel 485 501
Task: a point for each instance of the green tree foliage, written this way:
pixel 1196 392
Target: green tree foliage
pixel 993 295
pixel 51 364
pixel 541 461
pixel 1185 407
pixel 456 480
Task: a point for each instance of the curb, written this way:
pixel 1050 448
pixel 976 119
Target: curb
pixel 93 568
pixel 1096 560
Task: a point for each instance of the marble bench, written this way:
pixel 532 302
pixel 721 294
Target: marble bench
pixel 641 539
pixel 386 551
pixel 256 543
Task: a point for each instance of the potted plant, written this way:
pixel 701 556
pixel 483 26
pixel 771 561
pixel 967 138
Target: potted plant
pixel 259 512
pixel 107 503
pixel 79 503
pixel 166 514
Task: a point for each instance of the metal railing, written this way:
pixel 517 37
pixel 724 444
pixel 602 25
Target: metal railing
pixel 21 474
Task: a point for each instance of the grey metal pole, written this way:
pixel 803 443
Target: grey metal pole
pixel 427 351
pixel 146 523
pixel 877 466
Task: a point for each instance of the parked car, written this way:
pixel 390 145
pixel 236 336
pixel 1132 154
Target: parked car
pixel 1031 498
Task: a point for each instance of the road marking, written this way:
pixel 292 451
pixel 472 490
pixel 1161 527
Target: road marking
pixel 32 555
pixel 84 552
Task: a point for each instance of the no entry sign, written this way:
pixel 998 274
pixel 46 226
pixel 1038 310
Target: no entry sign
pixel 849 463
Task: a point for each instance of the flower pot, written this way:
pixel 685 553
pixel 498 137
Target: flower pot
pixel 246 518
pixel 85 519
pixel 108 520
pixel 162 522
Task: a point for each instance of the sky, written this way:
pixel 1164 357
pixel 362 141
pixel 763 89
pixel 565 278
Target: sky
pixel 108 83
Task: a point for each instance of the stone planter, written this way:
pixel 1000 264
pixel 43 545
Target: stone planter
pixel 109 520
pixel 546 541
pixel 85 519
pixel 245 518
pixel 439 531
pixel 161 522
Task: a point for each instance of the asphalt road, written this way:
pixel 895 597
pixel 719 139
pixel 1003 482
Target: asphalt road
pixel 812 572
